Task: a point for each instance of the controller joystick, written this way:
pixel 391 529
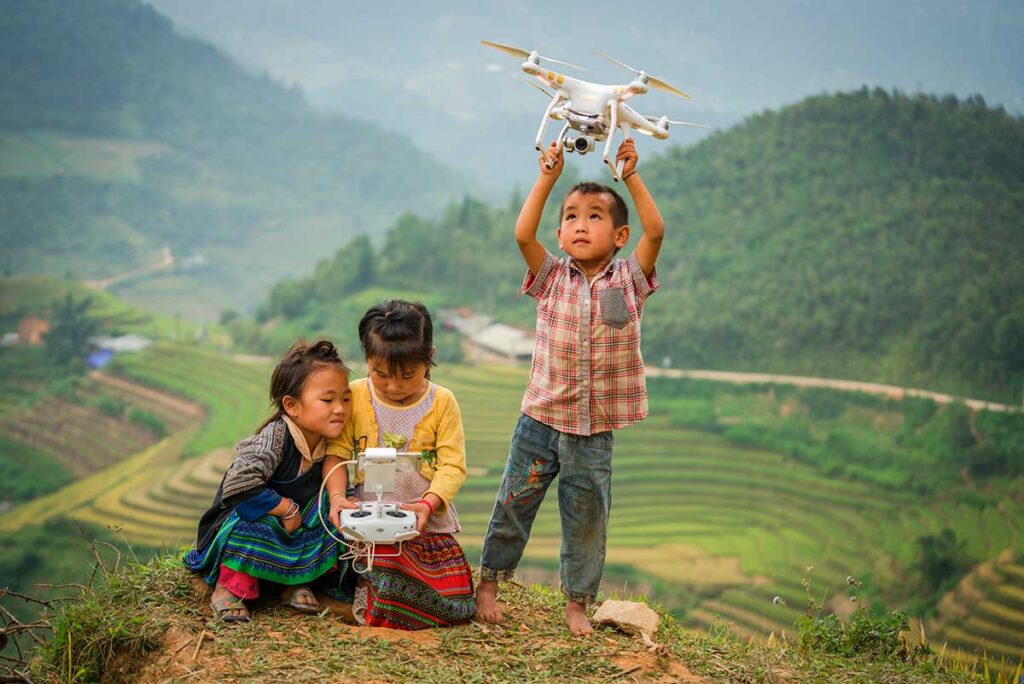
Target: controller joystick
pixel 378 522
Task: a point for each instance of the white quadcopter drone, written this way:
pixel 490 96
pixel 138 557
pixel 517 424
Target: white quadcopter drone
pixel 594 110
pixel 376 522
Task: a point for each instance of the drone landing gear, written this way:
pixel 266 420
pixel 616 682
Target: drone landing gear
pixel 544 122
pixel 616 169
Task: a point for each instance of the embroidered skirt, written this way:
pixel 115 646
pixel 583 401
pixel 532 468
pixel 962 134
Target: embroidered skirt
pixel 428 585
pixel 261 548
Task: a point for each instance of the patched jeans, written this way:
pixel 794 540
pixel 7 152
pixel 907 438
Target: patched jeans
pixel 584 469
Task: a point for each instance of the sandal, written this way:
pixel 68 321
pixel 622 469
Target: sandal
pixel 307 593
pixel 222 609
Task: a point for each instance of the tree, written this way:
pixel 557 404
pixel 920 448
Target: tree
pixel 941 560
pixel 70 330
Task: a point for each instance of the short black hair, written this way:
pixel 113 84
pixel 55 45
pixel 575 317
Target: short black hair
pixel 619 210
pixel 398 333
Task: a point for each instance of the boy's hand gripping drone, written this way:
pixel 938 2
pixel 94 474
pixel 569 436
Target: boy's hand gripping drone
pixel 594 110
pixel 375 522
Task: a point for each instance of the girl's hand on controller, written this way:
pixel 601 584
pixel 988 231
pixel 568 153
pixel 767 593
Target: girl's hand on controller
pixel 422 512
pixel 339 503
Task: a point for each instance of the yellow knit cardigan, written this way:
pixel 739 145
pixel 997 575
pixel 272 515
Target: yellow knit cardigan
pixel 439 431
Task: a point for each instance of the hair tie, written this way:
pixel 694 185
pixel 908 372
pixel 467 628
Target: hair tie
pixel 387 314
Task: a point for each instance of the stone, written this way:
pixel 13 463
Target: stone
pixel 628 616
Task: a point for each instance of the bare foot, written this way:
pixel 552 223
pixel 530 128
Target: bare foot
pixel 576 619
pixel 487 608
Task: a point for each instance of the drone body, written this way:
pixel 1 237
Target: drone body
pixel 592 110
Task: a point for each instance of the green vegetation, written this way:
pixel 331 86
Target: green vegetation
pixel 986 610
pixel 940 562
pixel 866 235
pixel 71 426
pixel 233 394
pixel 40 296
pixel 897 444
pixel 71 327
pixel 148 421
pixel 864 634
pixel 142 619
pixel 25 473
pixel 119 137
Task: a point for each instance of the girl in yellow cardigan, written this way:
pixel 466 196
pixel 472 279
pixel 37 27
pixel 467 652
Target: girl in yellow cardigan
pixel 430 583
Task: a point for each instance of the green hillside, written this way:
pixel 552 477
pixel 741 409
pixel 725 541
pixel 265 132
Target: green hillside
pixel 865 235
pixel 119 137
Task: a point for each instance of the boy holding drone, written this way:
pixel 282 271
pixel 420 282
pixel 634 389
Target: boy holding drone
pixel 587 378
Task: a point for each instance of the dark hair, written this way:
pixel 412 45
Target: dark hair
pixel 295 367
pixel 399 333
pixel 619 210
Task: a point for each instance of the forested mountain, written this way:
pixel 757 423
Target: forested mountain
pixel 869 235
pixel 119 137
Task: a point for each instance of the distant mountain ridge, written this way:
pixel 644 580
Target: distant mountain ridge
pixel 866 235
pixel 119 136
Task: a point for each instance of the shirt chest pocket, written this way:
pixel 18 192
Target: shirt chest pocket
pixel 614 310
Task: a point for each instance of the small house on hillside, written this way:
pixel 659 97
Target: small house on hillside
pixel 463 320
pixel 106 348
pixel 32 329
pixel 505 341
pixel 122 344
pixel 485 340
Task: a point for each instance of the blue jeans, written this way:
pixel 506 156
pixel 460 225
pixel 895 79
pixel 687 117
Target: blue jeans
pixel 584 464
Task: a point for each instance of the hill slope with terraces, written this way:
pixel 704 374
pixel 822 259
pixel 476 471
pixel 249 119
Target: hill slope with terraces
pixel 712 529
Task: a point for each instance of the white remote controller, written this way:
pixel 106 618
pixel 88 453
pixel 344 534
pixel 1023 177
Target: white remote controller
pixel 379 523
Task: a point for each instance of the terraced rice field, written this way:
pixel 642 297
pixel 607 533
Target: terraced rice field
pixel 84 439
pixel 233 394
pixel 985 612
pixel 733 526
pixel 205 400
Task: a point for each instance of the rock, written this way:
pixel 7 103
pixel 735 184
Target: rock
pixel 628 616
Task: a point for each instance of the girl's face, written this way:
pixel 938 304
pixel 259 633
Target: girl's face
pixel 402 387
pixel 323 406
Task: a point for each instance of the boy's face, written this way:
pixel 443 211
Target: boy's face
pixel 587 232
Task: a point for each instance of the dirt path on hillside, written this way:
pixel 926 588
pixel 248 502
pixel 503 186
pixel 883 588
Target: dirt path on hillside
pixel 166 261
pixel 888 391
pixel 182 406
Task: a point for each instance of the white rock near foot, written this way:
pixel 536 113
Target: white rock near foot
pixel 629 616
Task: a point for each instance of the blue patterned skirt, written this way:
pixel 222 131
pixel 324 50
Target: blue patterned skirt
pixel 261 548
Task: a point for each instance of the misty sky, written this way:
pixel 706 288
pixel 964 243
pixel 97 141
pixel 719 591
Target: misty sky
pixel 419 67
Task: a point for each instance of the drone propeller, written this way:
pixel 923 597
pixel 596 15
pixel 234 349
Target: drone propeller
pixel 652 80
pixel 657 119
pixel 519 53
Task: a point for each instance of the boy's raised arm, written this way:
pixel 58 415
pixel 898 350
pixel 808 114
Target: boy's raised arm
pixel 647 211
pixel 529 216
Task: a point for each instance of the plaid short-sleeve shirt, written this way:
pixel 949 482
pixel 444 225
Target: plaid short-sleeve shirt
pixel 587 374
